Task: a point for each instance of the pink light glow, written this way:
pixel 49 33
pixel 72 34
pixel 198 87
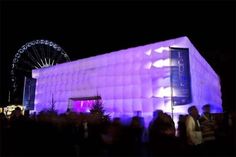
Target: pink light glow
pixel 82 105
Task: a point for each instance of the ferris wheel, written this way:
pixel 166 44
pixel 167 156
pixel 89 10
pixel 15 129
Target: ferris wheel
pixel 34 55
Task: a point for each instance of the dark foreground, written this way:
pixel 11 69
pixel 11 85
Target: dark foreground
pixel 71 135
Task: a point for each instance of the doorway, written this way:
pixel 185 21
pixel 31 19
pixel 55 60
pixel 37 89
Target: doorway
pixel 82 104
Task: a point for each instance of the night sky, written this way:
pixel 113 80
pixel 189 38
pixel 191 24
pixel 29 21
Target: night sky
pixel 86 29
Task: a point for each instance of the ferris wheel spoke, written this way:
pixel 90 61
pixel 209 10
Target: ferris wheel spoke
pixel 41 60
pixel 55 58
pixel 36 53
pixel 34 60
pixel 42 51
pixel 45 51
pixel 48 53
pixel 31 63
pixel 30 56
pixel 52 62
pixel 46 63
pixel 55 55
pixel 49 62
pixel 28 63
pixel 40 63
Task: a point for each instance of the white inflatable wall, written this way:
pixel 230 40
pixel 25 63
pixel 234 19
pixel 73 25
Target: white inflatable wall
pixel 134 79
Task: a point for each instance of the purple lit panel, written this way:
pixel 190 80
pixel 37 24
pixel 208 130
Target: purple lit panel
pixel 130 80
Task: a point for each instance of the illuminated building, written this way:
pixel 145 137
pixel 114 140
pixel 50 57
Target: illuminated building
pixel 145 78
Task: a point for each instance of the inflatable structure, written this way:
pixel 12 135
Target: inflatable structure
pixel 170 75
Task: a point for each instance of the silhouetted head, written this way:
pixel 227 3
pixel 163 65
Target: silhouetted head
pixel 27 113
pixel 181 117
pixel 206 108
pixel 193 111
pixel 18 108
pixel 157 113
pixel 17 111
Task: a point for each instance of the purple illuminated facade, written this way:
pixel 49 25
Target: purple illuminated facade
pixel 130 80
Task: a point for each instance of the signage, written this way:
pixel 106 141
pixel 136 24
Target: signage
pixel 180 76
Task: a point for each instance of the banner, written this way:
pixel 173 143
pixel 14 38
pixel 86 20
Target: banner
pixel 180 76
pixel 29 93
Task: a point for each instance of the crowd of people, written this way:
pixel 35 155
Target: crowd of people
pixel 73 134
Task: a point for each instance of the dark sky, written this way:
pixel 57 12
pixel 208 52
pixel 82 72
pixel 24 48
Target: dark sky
pixel 85 29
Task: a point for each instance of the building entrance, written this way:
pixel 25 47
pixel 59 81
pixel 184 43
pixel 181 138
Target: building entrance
pixel 82 104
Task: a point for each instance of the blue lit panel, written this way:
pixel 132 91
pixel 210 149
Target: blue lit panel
pixel 180 76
